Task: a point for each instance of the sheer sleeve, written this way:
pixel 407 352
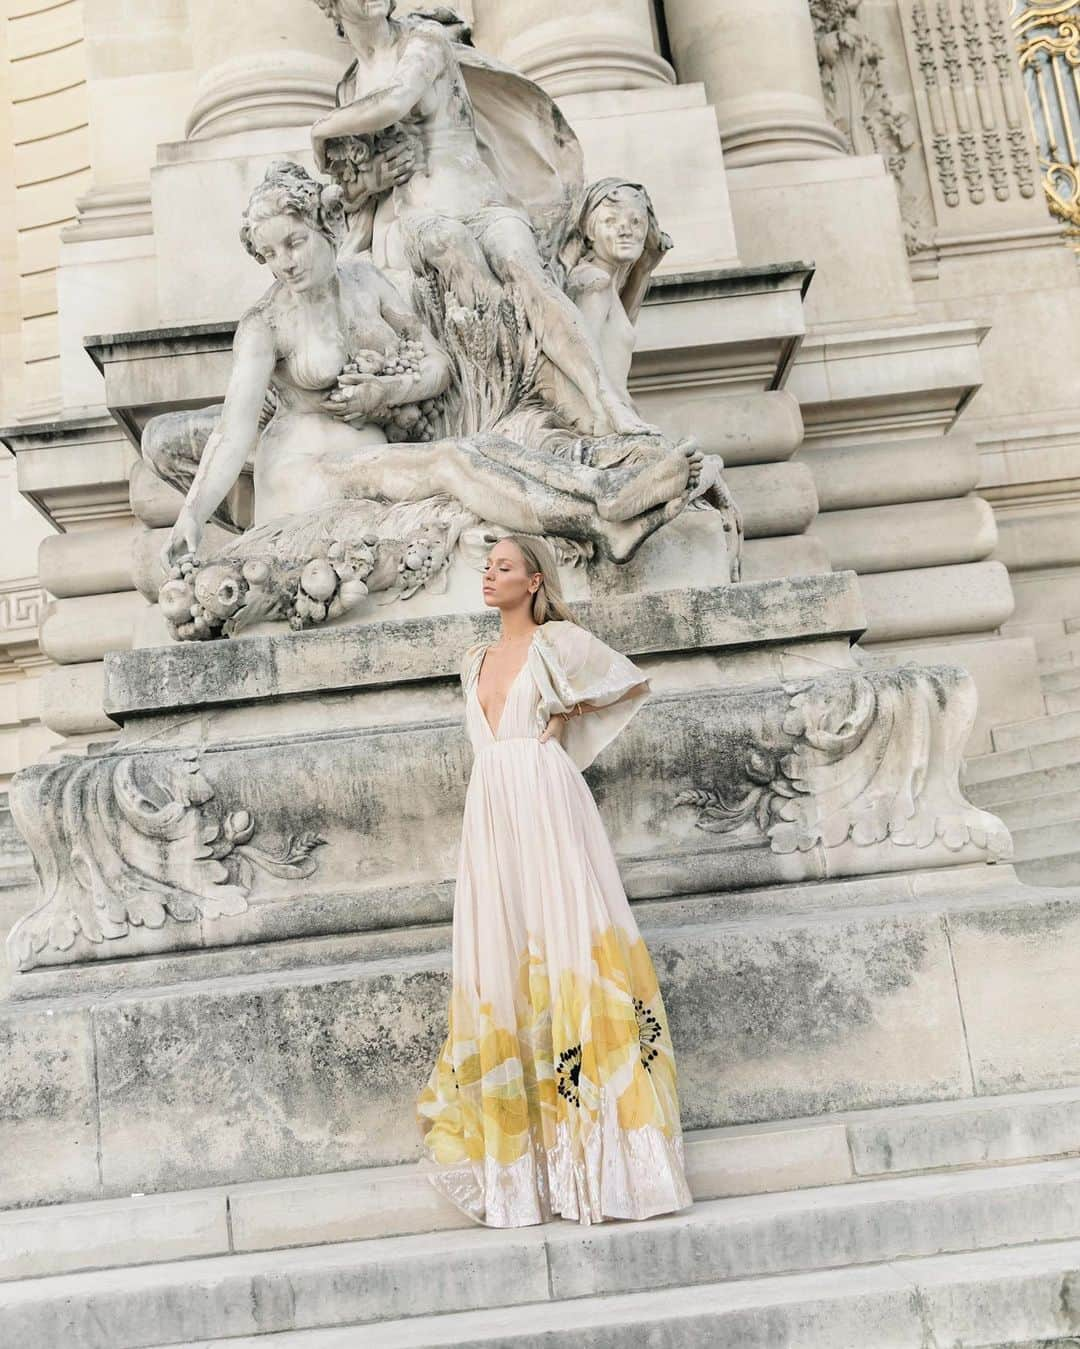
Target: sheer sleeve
pixel 470 664
pixel 569 666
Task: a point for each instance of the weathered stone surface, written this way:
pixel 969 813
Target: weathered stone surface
pixel 48 1106
pixel 402 650
pixel 1023 1023
pixel 846 775
pixel 317 1069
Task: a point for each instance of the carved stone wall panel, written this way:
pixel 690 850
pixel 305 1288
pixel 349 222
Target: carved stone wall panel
pixel 861 54
pixel 970 103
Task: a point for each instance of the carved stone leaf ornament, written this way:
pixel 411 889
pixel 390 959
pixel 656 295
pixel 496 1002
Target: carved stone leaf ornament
pixel 860 104
pixel 137 841
pixel 870 758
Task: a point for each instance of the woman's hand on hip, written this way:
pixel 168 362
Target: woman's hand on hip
pixel 554 729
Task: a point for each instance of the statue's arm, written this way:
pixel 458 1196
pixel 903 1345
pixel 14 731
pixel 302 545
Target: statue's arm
pixel 228 448
pixel 419 66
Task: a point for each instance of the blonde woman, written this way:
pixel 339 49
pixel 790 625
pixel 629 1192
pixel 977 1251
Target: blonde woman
pixel 554 1093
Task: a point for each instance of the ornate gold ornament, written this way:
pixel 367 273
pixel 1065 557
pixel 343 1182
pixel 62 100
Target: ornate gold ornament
pixel 1048 35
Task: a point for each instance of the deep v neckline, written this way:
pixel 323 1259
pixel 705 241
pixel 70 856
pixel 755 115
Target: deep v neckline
pixel 494 732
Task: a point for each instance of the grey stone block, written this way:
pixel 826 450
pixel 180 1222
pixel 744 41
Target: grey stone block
pixel 171 678
pixel 48 1106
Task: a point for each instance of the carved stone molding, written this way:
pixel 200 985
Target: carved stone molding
pixel 969 102
pixel 136 842
pixel 867 759
pixel 861 105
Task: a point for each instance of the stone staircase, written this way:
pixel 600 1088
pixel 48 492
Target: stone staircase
pixel 1032 779
pixel 953 1223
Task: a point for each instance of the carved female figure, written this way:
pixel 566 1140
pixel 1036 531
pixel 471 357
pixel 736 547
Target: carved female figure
pixel 609 262
pixel 326 442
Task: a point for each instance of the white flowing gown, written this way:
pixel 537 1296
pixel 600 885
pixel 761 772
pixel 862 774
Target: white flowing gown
pixel 555 1090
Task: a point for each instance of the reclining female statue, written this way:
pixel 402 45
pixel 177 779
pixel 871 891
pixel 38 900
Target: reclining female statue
pixel 319 342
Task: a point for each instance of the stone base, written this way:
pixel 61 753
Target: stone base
pixel 239 966
pixel 305 1057
pixel 310 784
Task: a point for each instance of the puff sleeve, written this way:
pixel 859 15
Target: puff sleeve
pixel 470 664
pixel 570 665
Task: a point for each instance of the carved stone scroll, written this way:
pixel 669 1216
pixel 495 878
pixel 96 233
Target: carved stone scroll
pixel 872 759
pixel 139 841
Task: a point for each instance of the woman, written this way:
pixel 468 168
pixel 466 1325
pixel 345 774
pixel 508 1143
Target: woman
pixel 326 442
pixel 554 1092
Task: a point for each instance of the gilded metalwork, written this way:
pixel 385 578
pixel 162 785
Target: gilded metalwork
pixel 1049 38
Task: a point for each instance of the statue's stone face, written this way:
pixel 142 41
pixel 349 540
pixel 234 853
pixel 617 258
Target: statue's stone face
pixel 299 257
pixel 618 228
pixel 364 9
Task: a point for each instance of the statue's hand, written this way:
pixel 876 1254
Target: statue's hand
pixel 359 397
pixel 183 541
pixel 394 167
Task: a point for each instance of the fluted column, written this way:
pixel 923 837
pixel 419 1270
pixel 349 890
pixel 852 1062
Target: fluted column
pixel 610 44
pixel 758 62
pixel 263 63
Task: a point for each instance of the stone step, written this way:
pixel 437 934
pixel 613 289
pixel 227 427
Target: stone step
pixel 1063 700
pixel 361 1283
pixel 1048 840
pixel 380 1202
pixel 1060 727
pixel 1067 645
pixel 1061 681
pixel 1061 869
pixel 1017 1298
pixel 995 792
pixel 1039 811
pixel 1050 755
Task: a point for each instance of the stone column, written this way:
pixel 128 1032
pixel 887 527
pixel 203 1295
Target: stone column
pixel 263 63
pixel 609 44
pixel 758 62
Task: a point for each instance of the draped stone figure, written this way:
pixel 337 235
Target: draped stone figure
pixel 443 356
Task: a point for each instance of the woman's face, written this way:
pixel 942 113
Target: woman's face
pixel 618 227
pixel 299 257
pixel 507 581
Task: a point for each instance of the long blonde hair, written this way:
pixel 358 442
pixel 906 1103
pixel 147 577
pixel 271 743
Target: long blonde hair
pixel 548 603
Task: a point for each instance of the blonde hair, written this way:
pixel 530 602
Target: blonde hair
pixel 548 603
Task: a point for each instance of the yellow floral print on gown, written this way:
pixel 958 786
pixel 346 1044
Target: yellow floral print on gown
pixel 555 1090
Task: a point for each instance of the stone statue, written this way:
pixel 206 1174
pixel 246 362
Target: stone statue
pixel 392 428
pixel 351 372
pixel 455 211
pixel 609 261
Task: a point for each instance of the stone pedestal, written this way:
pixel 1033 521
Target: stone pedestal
pixel 271 846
